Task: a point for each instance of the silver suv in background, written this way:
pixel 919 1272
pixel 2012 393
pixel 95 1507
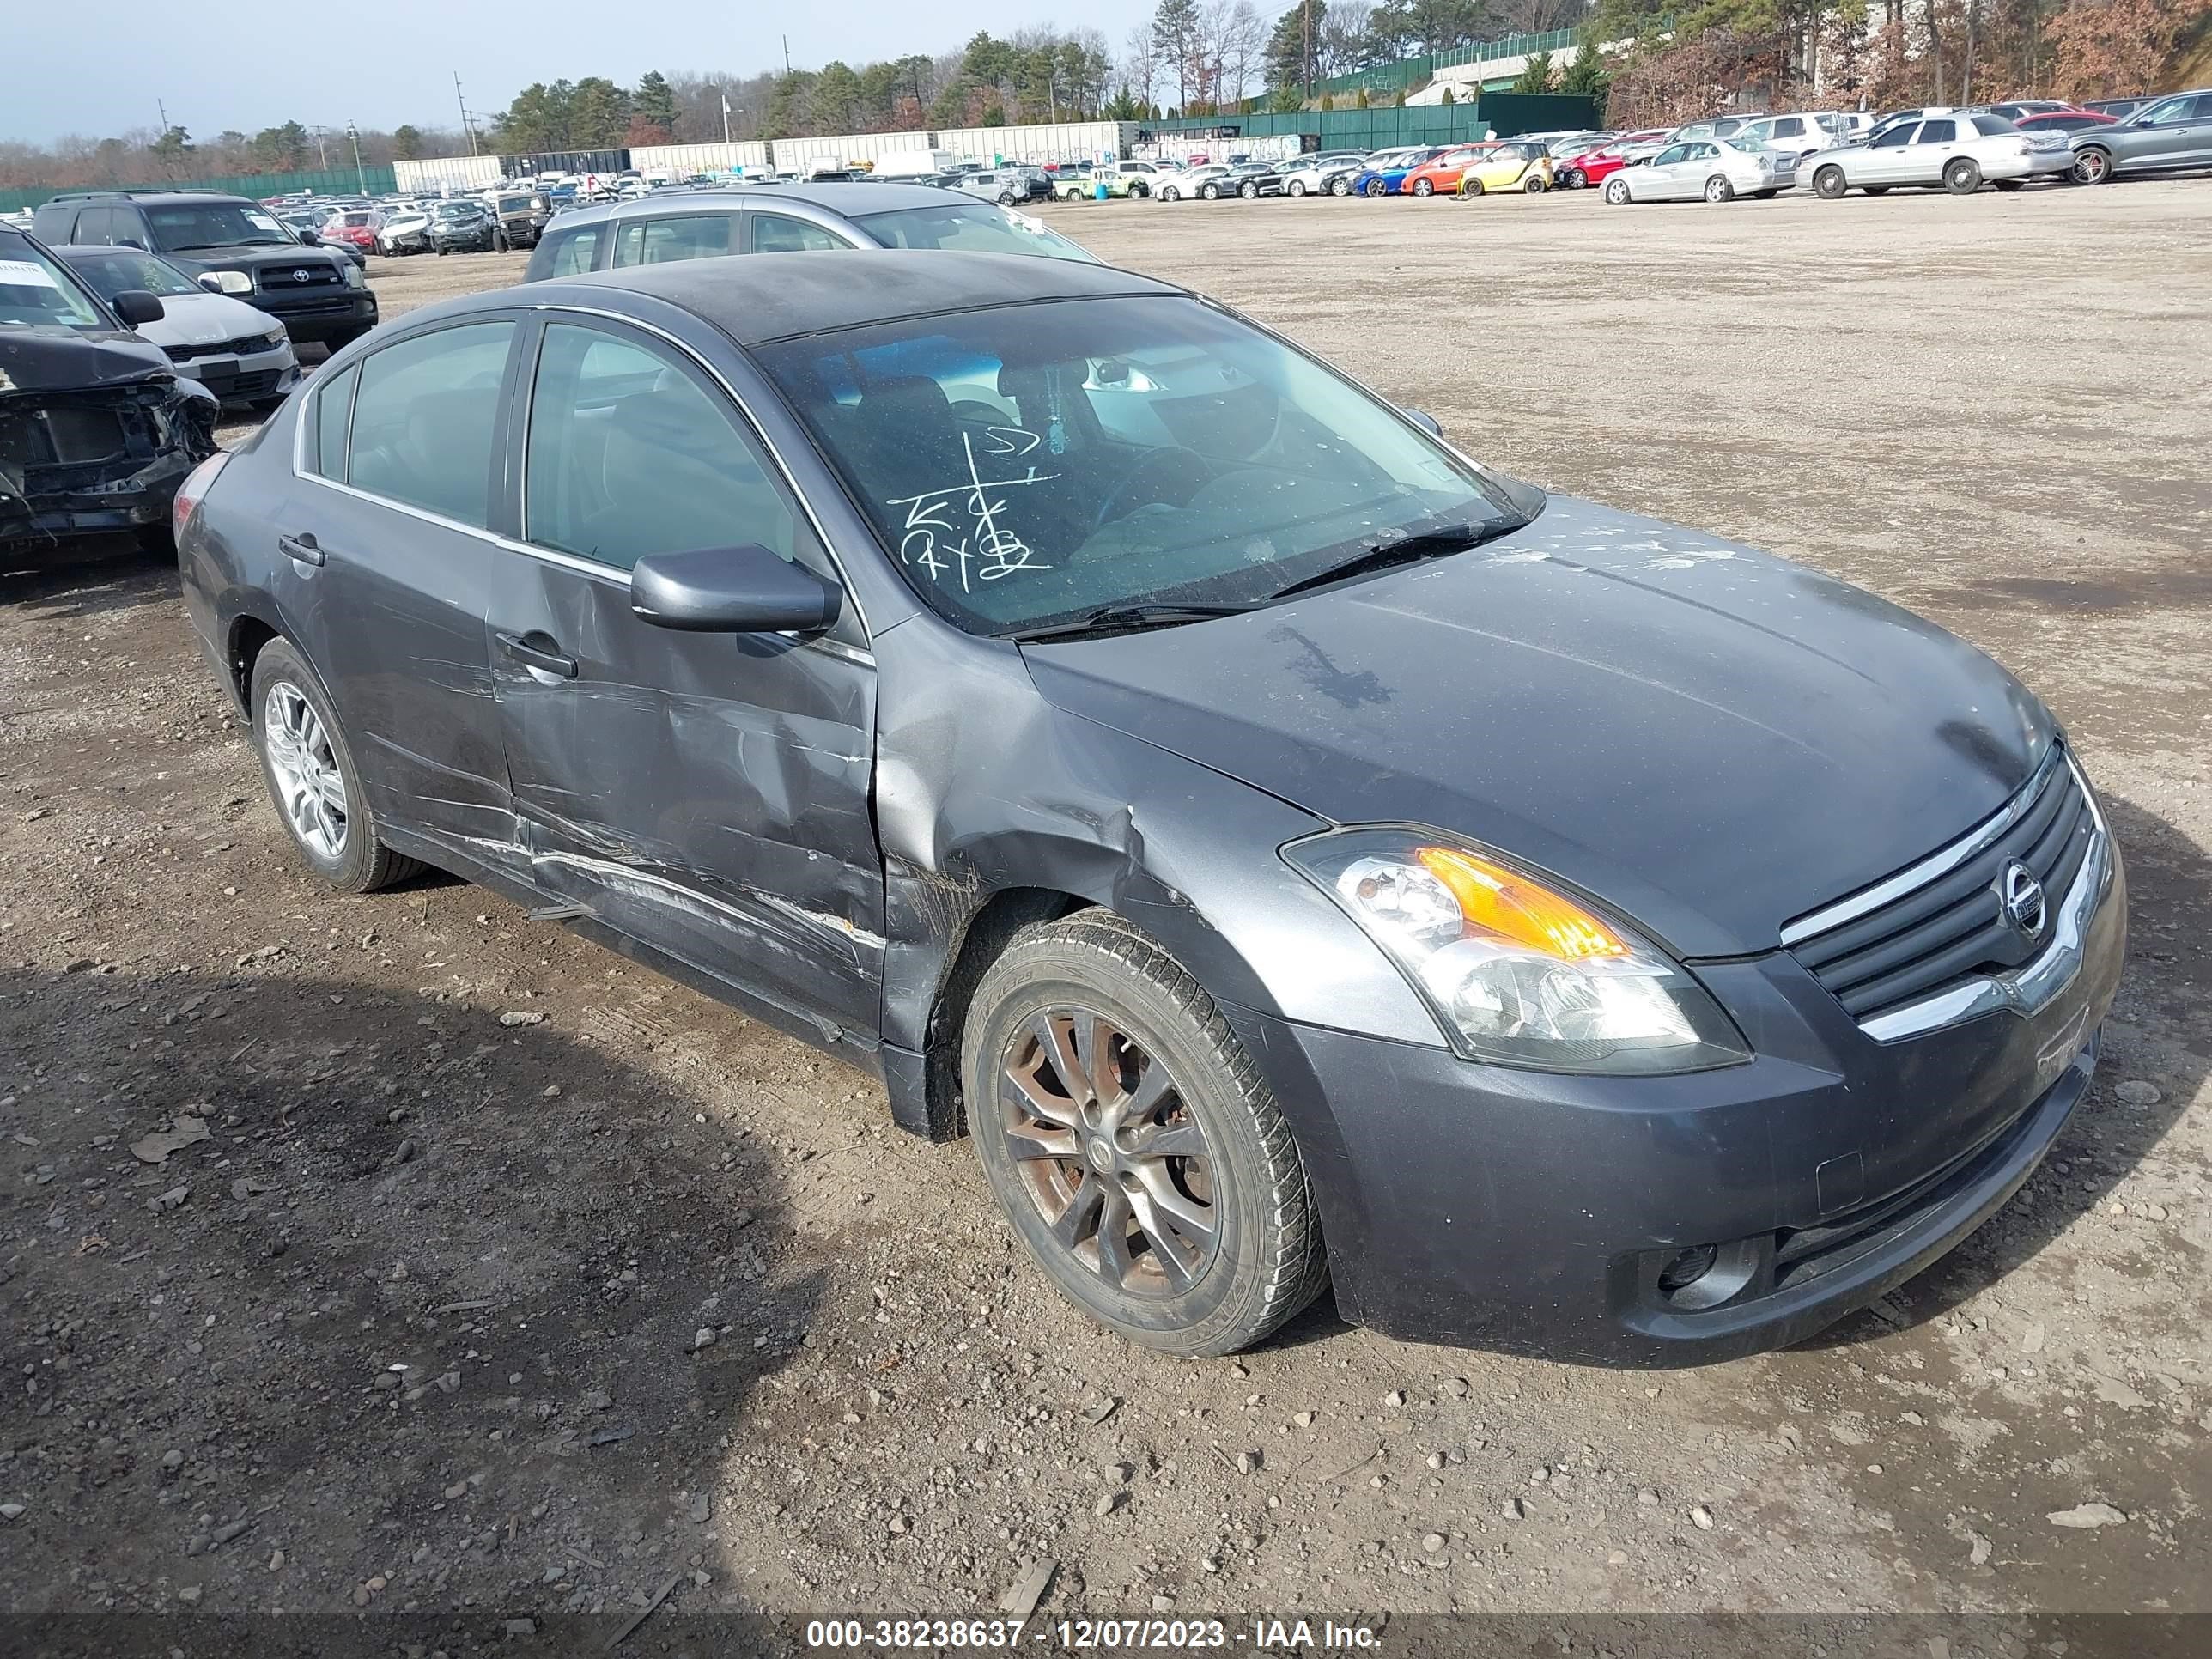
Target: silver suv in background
pixel 1799 133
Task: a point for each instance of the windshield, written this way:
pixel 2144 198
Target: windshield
pixel 213 224
pixel 972 227
pixel 37 293
pixel 1032 464
pixel 110 274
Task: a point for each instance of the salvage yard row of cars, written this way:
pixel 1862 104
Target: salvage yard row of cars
pixel 926 576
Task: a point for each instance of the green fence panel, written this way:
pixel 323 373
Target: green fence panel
pixel 336 181
pixel 1508 112
pixel 1404 73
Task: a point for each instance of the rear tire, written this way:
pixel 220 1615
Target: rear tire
pixel 358 861
pixel 2009 184
pixel 1877 190
pixel 1339 187
pixel 1085 1019
pixel 1248 191
pixel 1829 183
pixel 1211 193
pixel 1533 185
pixel 1767 195
pixel 1718 190
pixel 1961 177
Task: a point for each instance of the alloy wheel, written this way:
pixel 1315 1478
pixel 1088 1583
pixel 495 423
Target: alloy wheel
pixel 2091 167
pixel 310 787
pixel 1716 189
pixel 1616 192
pixel 1108 1150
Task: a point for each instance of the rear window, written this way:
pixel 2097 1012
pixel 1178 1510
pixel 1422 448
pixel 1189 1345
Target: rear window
pixel 970 227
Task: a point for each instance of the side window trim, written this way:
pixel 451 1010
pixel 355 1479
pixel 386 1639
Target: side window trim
pixel 782 472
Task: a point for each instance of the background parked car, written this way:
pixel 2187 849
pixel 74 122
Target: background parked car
pixel 1958 152
pixel 1005 186
pixel 2173 132
pixel 1593 167
pixel 2065 120
pixel 2118 108
pixel 1203 181
pixel 317 293
pixel 464 226
pixel 786 219
pixel 1797 134
pixel 1387 171
pixel 238 353
pixel 1714 169
pixel 407 231
pixel 1313 175
pixel 521 217
pixel 1521 164
pixel 1251 180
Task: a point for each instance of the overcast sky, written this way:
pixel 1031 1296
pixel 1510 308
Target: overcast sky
pixel 100 69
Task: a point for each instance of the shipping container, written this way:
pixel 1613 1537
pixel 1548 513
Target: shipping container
pixel 1063 141
pixel 456 173
pixel 805 155
pixel 682 161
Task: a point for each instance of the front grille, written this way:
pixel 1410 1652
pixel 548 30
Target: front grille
pixel 293 279
pixel 245 346
pixel 260 382
pixel 1952 927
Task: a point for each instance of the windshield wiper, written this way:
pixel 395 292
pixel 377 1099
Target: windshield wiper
pixel 1381 554
pixel 1127 618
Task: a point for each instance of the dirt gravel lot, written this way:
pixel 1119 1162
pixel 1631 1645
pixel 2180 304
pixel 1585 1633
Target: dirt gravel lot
pixel 447 1138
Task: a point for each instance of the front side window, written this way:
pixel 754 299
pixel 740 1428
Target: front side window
pixel 973 227
pixel 1671 155
pixel 37 292
pixel 422 421
pixel 1894 137
pixel 2165 112
pixel 662 242
pixel 776 232
pixel 1031 464
pixel 574 253
pixel 629 453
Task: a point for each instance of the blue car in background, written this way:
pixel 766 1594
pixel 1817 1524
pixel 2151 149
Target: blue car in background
pixel 1385 173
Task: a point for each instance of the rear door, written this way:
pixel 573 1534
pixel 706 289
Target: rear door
pixel 1922 160
pixel 389 564
pixel 707 795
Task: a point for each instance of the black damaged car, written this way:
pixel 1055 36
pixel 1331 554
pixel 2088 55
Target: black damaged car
pixel 97 429
pixel 1293 851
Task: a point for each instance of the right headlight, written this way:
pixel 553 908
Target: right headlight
pixel 1516 972
pixel 233 282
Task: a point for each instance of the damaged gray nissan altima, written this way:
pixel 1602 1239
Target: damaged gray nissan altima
pixel 1291 851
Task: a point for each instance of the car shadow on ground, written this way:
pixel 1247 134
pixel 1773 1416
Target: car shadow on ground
pixel 2169 975
pixel 412 1285
pixel 85 576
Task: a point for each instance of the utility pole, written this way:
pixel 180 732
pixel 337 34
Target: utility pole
pixel 322 150
pixel 360 174
pixel 1307 8
pixel 786 54
pixel 726 113
pixel 164 108
pixel 463 103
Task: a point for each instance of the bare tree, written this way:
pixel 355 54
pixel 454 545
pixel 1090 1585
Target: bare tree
pixel 1140 64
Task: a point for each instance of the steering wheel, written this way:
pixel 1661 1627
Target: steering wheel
pixel 1195 473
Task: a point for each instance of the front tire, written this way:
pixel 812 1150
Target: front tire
pixel 1616 192
pixel 1961 177
pixel 1249 191
pixel 1574 178
pixel 311 777
pixel 499 242
pixel 2092 167
pixel 1297 188
pixel 1375 190
pixel 1169 194
pixel 1137 1151
pixel 1422 187
pixel 1829 183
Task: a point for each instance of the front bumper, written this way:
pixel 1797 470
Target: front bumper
pixel 1534 1212
pixel 331 314
pixel 255 375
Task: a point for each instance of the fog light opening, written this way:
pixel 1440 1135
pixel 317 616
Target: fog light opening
pixel 1702 1276
pixel 1688 1267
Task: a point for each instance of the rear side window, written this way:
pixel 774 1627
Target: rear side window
pixel 1789 126
pixel 1992 126
pixel 773 232
pixel 1938 132
pixel 422 420
pixel 333 415
pixel 574 253
pixel 658 242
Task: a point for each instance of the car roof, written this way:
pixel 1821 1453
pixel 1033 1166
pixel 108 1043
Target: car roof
pixel 852 198
pixel 760 297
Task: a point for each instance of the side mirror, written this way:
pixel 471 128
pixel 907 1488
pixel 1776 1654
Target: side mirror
pixel 136 306
pixel 311 239
pixel 732 590
pixel 1426 422
pixel 211 281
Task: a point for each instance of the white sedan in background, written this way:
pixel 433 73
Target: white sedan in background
pixel 241 355
pixel 1714 169
pixel 1961 153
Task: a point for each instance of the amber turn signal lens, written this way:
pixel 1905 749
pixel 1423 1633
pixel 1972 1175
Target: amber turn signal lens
pixel 1508 905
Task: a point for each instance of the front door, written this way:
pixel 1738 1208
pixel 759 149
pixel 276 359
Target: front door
pixel 389 565
pixel 1660 181
pixel 1885 161
pixel 706 793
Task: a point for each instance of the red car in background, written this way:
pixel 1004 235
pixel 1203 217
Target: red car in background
pixel 354 226
pixel 1593 168
pixel 2064 120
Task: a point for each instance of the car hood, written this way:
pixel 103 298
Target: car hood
pixel 1709 739
pixel 65 360
pixel 257 258
pixel 205 319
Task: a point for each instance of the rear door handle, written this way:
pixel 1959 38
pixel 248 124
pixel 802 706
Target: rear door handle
pixel 301 547
pixel 546 658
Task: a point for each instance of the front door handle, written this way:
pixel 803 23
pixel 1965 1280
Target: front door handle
pixel 301 547
pixel 546 657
